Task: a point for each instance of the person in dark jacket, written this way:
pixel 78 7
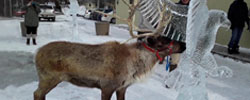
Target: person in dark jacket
pixel 184 2
pixel 31 20
pixel 238 15
pixel 249 12
pixel 176 57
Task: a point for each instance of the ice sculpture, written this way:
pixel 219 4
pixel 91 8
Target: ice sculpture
pixel 151 14
pixel 74 8
pixel 197 61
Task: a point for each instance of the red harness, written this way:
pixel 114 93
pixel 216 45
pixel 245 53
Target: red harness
pixel 170 46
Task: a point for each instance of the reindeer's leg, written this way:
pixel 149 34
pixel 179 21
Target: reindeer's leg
pixel 121 93
pixel 107 93
pixel 44 87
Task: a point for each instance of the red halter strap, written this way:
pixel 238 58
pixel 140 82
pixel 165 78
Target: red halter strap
pixel 170 46
pixel 148 48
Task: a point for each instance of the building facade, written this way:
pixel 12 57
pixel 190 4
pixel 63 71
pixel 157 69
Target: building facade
pixel 223 34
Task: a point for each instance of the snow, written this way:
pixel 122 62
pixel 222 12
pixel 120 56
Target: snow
pixel 19 80
pixel 11 39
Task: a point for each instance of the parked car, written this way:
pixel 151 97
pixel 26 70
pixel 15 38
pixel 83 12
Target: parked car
pixel 95 15
pixel 20 13
pixel 108 18
pixel 87 14
pixel 47 12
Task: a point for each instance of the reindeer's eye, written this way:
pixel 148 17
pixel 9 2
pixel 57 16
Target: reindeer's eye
pixel 164 40
pixel 151 40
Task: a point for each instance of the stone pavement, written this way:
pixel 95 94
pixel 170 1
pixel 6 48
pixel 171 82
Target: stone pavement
pixel 244 56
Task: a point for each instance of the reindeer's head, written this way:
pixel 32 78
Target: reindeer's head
pixel 154 39
pixel 164 44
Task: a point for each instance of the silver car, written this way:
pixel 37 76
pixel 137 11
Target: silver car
pixel 47 12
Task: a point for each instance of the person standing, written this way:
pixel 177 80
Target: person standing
pixel 184 2
pixel 176 57
pixel 249 17
pixel 249 12
pixel 238 15
pixel 31 20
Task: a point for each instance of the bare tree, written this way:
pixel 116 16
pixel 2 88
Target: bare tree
pixel 10 8
pixel 4 8
pixel 22 3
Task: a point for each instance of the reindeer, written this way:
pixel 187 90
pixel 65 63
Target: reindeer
pixel 110 66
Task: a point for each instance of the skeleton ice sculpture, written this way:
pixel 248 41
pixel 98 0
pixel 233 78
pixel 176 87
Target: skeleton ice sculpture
pixel 197 61
pixel 175 30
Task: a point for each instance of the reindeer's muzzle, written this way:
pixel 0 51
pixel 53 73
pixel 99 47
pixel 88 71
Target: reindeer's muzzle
pixel 182 47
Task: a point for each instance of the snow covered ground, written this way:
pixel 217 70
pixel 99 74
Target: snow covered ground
pixel 18 75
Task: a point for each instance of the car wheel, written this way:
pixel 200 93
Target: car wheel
pixel 113 21
pixel 53 19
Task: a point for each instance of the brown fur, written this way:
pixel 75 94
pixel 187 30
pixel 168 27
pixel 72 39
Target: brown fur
pixel 109 66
